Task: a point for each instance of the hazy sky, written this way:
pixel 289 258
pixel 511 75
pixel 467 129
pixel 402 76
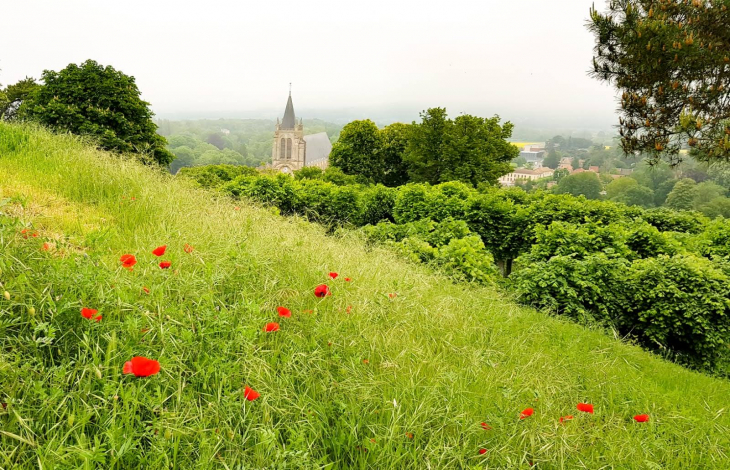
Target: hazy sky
pixel 526 60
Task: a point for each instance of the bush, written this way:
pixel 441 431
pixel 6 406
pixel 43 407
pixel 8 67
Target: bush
pixel 214 176
pixel 467 259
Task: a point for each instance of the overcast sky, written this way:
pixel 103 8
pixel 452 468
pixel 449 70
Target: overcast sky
pixel 526 60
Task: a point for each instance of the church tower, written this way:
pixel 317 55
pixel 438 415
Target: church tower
pixel 289 149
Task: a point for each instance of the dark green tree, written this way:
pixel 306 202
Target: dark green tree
pixel 683 195
pixel 358 151
pixel 12 97
pixel 580 184
pixel 552 160
pixel 671 62
pixel 90 99
pixel 469 149
pixel 394 140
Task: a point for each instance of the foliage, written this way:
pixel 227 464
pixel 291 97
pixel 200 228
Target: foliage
pixel 683 195
pixel 97 101
pixel 13 96
pixel 212 176
pixel 358 151
pixel 669 60
pixel 580 184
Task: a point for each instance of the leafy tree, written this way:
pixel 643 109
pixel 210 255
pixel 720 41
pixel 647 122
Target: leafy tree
pixel 719 207
pixel 683 195
pixel 670 60
pixel 13 96
pixel 91 99
pixel 394 146
pixel 469 148
pixel 619 186
pixel 637 196
pixel 217 140
pixel 309 172
pixel 552 160
pixel 575 163
pixel 560 174
pixel 706 192
pixel 357 152
pixel 580 184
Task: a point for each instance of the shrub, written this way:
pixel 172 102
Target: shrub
pixel 377 204
pixel 467 259
pixel 214 176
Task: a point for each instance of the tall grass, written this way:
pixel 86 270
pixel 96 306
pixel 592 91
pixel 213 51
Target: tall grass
pixel 338 389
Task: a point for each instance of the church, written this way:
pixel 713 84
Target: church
pixel 293 150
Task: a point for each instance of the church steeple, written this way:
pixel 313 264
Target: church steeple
pixel 289 121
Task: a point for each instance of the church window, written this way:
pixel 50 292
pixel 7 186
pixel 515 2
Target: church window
pixel 288 149
pixel 282 149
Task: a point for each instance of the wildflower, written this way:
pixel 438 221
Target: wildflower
pixel 90 314
pixel 585 407
pixel 365 361
pixel 165 264
pixel 250 394
pixel 188 248
pixel 141 367
pixel 284 312
pixel 486 427
pixel 409 435
pixel 347 279
pixel 527 412
pixel 333 275
pixel 349 309
pixel 566 418
pixel 271 327
pixel 641 418
pixel 128 261
pixel 160 250
pixel 392 295
pixel 46 247
pixel 146 289
pixel 321 291
pixel 482 451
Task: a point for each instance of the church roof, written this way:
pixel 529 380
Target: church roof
pixel 318 147
pixel 289 120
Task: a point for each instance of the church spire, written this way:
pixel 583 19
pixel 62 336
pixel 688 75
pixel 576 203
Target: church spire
pixel 289 121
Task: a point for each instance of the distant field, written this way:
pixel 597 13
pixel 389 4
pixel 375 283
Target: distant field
pixel 521 145
pixel 398 369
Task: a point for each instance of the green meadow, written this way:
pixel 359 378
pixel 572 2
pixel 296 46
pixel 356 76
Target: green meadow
pixel 397 368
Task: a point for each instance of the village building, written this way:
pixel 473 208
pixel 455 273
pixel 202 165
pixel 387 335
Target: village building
pixel 292 150
pixel 526 174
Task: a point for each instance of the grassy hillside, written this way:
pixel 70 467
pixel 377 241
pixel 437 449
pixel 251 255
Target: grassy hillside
pixel 359 379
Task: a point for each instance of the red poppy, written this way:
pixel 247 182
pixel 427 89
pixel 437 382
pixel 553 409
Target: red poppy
pixel 250 394
pixel 347 279
pixel 144 330
pixel 321 291
pixel 141 367
pixel 160 250
pixel 409 435
pixel 482 451
pixel 527 412
pixel 486 427
pixel 128 261
pixel 641 418
pixel 165 264
pixel 308 311
pixel 585 407
pixel 365 361
pixel 237 208
pixel 333 275
pixel 188 248
pixel 349 309
pixel 24 232
pixel 271 327
pixel 146 290
pixel 90 314
pixel 133 198
pixel 46 246
pixel 284 312
pixel 566 418
pixel 393 295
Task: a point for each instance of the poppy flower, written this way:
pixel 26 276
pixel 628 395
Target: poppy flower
pixel 393 295
pixel 90 314
pixel 409 435
pixel 527 412
pixel 141 367
pixel 365 361
pixel 146 290
pixel 482 451
pixel 250 394
pixel 165 264
pixel 486 427
pixel 566 418
pixel 160 250
pixel 237 208
pixel 333 275
pixel 641 418
pixel 322 291
pixel 271 327
pixel 585 407
pixel 284 312
pixel 188 248
pixel 46 246
pixel 144 330
pixel 349 309
pixel 308 311
pixel 128 261
pixel 347 279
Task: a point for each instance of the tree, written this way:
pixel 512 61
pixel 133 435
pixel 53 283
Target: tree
pixel 580 184
pixel 575 163
pixel 619 186
pixel 99 101
pixel 671 62
pixel 683 195
pixel 469 148
pixel 637 196
pixel 13 96
pixel 394 145
pixel 560 174
pixel 552 160
pixel 217 140
pixel 706 192
pixel 357 151
pixel 719 207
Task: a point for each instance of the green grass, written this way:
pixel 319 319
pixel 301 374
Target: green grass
pixel 442 358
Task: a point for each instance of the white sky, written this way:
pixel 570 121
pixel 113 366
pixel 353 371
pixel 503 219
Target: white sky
pixel 526 60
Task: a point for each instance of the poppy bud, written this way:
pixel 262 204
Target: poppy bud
pixel 6 294
pixel 31 311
